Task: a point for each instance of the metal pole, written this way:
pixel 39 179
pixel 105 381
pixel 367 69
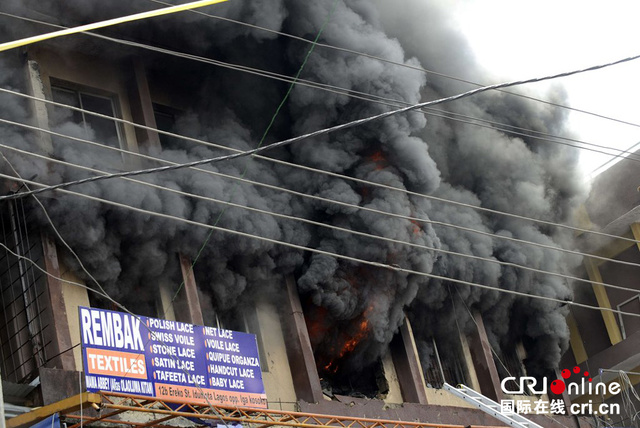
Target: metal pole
pixel 1 403
pixel 435 347
pixel 618 371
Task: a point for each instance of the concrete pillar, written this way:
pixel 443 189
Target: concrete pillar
pixel 394 395
pixel 407 363
pixel 483 361
pixel 35 87
pixel 472 376
pixel 193 313
pixel 74 296
pixel 58 331
pixel 142 106
pixel 301 360
pixel 276 372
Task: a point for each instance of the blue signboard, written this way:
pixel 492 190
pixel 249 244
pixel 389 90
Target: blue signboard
pixel 52 421
pixel 170 360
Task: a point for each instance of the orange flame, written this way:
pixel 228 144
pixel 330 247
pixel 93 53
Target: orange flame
pixel 416 227
pixel 350 344
pixel 379 159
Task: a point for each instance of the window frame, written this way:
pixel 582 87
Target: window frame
pixel 79 89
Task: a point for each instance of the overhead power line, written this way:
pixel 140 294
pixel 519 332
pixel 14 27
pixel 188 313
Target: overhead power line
pixel 289 164
pixel 101 291
pixel 400 64
pixel 510 129
pixel 108 23
pixel 264 136
pixel 320 132
pixel 324 131
pixel 333 201
pixel 320 224
pixel 358 207
pixel 326 253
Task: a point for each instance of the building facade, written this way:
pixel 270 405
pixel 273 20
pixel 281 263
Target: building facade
pixel 43 284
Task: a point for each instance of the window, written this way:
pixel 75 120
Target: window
pixel 96 128
pixel 166 118
pixel 509 364
pixel 443 365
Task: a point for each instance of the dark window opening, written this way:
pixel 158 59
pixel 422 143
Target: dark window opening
pixel 24 329
pixel 97 301
pixel 166 118
pixel 509 364
pixel 344 354
pixel 442 364
pixel 366 382
pixel 98 129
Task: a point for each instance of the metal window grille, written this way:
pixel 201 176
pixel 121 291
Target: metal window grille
pixel 23 296
pixel 445 366
pixel 509 364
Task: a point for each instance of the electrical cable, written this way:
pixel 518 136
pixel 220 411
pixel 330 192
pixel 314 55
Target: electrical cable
pixel 324 131
pixel 602 168
pixel 618 153
pixel 261 142
pixel 368 97
pixel 400 64
pixel 293 165
pixel 324 225
pixel 102 24
pixel 501 129
pixel 93 290
pixel 272 213
pixel 325 253
pixel 174 165
pixel 627 393
pixel 493 351
pixel 102 292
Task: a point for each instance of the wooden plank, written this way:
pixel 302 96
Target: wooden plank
pixel 67 405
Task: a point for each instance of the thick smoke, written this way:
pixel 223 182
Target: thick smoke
pixel 132 253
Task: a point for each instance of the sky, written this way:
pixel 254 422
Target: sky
pixel 522 39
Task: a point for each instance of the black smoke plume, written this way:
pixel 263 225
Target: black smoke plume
pixel 131 253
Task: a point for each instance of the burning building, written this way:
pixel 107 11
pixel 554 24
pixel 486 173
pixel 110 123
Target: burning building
pixel 198 85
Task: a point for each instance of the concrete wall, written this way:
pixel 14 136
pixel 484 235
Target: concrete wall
pixel 614 193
